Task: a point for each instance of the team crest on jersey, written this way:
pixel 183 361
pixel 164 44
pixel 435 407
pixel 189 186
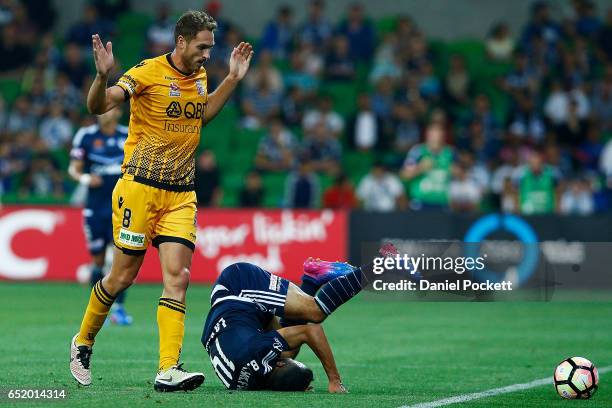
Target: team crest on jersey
pixel 174 89
pixel 200 88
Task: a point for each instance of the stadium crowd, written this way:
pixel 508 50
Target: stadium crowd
pixel 524 126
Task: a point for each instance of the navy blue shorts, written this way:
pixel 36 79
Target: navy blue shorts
pixel 246 282
pixel 98 231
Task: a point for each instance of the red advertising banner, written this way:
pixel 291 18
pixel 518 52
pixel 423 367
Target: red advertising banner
pixel 47 243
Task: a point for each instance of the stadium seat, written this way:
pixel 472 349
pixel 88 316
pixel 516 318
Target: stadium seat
pixel 10 90
pixel 274 187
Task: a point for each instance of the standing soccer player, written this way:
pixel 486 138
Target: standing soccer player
pixel 96 157
pixel 154 200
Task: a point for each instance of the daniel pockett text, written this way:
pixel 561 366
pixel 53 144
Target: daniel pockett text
pixel 416 269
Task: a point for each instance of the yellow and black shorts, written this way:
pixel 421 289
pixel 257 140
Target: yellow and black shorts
pixel 143 214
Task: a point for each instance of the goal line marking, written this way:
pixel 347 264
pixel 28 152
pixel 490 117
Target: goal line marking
pixel 492 392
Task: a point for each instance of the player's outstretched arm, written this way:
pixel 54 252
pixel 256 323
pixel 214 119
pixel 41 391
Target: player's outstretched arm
pixel 239 63
pixel 314 336
pixel 100 99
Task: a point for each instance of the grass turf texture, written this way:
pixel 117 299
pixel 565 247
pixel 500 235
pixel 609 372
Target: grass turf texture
pixel 388 353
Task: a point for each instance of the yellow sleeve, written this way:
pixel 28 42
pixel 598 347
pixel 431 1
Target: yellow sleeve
pixel 134 81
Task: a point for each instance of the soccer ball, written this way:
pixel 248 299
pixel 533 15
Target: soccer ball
pixel 576 378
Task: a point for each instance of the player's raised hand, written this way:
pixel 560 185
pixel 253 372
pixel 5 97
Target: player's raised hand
pixel 240 60
pixel 103 56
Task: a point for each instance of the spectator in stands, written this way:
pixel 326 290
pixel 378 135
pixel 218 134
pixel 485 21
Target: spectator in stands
pixel 428 168
pixel 383 99
pixel 359 33
pixel 43 178
pixel 339 66
pixel 324 112
pixel 604 39
pixel 216 66
pixel 38 96
pixel 56 130
pixel 407 129
pixel 278 34
pixel 601 101
pixel 322 149
pixel 541 24
pixel 293 106
pixel 208 180
pixel 302 188
pixel 27 32
pixel 14 55
pixel 252 193
pixel 381 190
pixel 66 95
pixel 526 122
pixel 457 83
pixel 430 86
pixel 277 149
pixel 364 128
pixel 605 163
pixel 214 8
pixel 73 66
pixel 312 57
pixel 387 61
pixel 574 129
pixel 537 187
pixel 341 194
pixel 464 193
pixel 509 200
pixel 41 13
pixel 299 75
pixel 316 30
pixel 508 169
pixel 523 79
pixel 499 43
pixel 586 20
pixel 260 104
pixel 417 54
pixel 264 68
pixel 21 118
pixel 92 23
pixel 482 113
pixel 589 151
pixel 577 198
pixel 160 34
pixel 6 12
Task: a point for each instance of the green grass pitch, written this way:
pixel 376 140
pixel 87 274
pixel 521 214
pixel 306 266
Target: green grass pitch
pixel 389 354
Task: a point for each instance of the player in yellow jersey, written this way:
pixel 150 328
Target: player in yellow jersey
pixel 154 200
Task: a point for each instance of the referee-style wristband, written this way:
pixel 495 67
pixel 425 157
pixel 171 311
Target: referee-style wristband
pixel 85 179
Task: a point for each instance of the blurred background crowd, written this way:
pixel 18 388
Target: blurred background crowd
pixel 355 113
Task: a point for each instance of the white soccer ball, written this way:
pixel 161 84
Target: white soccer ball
pixel 576 378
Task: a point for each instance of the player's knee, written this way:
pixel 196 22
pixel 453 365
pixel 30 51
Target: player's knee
pixel 315 314
pixel 118 282
pixel 178 277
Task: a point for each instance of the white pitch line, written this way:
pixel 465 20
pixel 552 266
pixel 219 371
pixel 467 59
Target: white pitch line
pixel 490 393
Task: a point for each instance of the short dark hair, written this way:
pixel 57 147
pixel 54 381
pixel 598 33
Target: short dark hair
pixel 292 376
pixel 191 23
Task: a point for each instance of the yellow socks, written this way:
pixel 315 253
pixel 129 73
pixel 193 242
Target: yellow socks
pixel 100 302
pixel 171 323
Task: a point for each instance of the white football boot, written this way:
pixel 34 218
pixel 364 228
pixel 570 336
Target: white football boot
pixel 79 362
pixel 177 379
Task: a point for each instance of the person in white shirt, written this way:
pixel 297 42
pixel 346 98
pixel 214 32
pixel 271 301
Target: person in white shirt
pixel 381 190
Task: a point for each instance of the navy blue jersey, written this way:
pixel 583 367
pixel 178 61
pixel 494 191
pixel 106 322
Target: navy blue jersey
pixel 101 155
pixel 244 300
